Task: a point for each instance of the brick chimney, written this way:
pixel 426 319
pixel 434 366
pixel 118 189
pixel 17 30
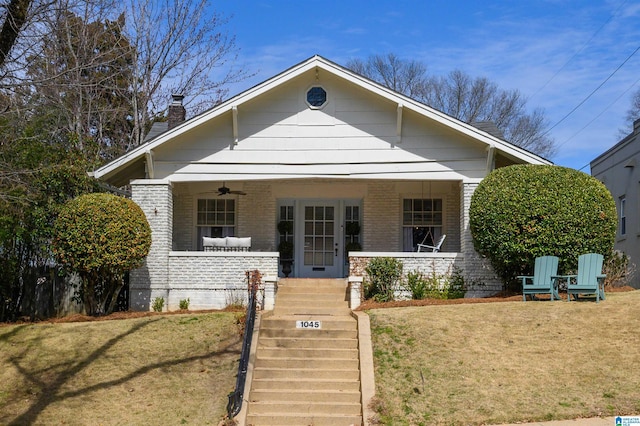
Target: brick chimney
pixel 177 114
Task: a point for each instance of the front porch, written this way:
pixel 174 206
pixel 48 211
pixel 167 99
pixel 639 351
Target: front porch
pixel 178 268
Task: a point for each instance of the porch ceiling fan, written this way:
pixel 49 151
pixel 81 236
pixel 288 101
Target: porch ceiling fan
pixel 224 190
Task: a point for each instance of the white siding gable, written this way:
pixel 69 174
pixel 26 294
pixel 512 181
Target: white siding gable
pixel 364 131
pixel 354 135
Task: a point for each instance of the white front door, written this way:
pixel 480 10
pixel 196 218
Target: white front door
pixel 319 247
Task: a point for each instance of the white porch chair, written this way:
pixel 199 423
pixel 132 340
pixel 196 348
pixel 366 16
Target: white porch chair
pixel 433 249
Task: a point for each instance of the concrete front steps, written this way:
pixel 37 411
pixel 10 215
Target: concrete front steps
pixel 307 376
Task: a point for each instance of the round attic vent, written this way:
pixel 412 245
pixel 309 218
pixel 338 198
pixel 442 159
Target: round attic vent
pixel 316 97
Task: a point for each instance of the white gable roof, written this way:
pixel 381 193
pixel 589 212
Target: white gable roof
pixel 122 167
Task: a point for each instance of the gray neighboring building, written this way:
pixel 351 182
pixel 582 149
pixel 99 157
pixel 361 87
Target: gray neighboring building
pixel 619 169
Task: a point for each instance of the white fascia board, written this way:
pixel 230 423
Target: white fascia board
pixel 481 136
pixel 154 143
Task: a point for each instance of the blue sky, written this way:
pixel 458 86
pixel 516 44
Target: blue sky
pixel 555 52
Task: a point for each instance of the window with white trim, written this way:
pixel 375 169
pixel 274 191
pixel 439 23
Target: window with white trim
pixel 421 222
pixel 216 217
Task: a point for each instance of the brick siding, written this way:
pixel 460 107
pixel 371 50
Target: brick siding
pixel 209 280
pixel 478 272
pixel 381 228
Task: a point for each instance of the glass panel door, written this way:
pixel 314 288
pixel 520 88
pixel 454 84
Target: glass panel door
pixel 321 248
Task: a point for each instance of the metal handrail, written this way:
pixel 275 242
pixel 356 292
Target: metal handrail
pixel 235 398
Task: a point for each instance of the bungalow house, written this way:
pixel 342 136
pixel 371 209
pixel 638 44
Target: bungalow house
pixel 355 170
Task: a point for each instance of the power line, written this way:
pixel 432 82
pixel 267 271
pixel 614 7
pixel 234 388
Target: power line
pixel 596 117
pixel 600 114
pixel 592 92
pixel 579 50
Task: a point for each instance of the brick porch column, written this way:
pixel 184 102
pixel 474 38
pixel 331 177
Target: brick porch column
pixel 479 275
pixel 466 242
pixel 155 197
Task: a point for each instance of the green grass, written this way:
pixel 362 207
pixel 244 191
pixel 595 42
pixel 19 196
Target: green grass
pixel 175 369
pixel 507 362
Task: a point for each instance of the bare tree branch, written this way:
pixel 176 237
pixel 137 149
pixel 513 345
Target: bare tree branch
pixel 633 114
pixel 108 78
pixel 181 47
pixel 468 99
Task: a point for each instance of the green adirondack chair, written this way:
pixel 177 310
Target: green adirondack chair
pixel 590 279
pixel 544 279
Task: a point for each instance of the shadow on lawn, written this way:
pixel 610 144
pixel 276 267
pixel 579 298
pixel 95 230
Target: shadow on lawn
pixel 14 331
pixel 49 390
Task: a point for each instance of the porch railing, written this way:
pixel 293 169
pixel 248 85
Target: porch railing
pixel 235 398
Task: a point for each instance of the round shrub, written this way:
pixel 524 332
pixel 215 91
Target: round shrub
pixel 520 212
pixel 101 237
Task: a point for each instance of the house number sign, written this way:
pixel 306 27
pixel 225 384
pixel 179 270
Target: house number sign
pixel 309 324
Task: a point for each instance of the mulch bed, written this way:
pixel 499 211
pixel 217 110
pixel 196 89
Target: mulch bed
pixel 501 297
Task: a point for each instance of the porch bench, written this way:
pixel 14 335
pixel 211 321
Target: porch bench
pixel 226 244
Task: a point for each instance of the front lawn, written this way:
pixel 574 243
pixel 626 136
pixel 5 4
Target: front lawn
pixel 480 363
pixel 173 369
pixel 492 363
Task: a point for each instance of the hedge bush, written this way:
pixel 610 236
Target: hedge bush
pixel 384 274
pixel 435 286
pixel 101 237
pixel 520 212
